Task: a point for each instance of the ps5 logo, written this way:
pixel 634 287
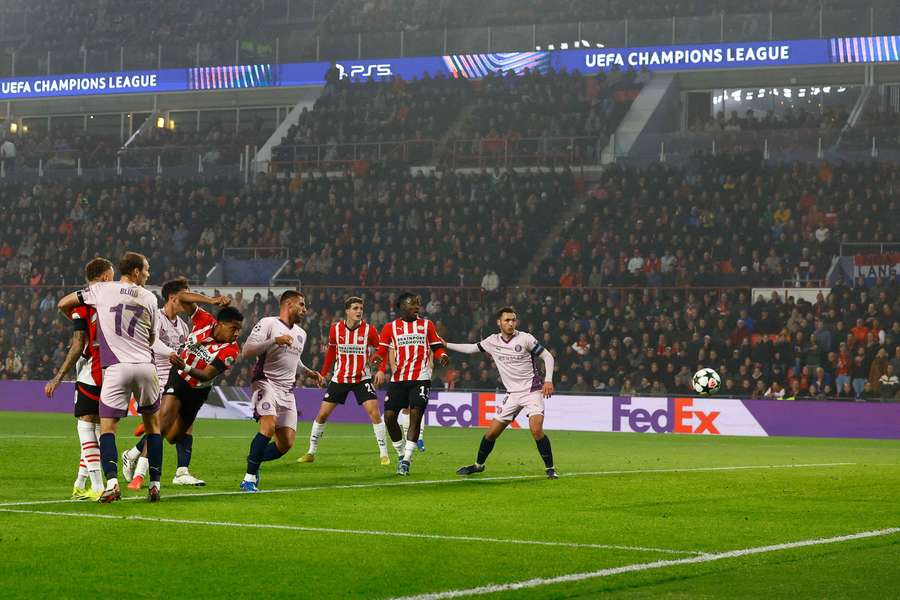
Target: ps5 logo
pixel 364 71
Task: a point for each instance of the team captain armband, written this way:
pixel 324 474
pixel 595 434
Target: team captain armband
pixel 537 349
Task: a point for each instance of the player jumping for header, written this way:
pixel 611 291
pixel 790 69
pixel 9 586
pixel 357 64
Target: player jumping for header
pixel 515 353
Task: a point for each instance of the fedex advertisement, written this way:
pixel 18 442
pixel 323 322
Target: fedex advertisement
pixel 562 412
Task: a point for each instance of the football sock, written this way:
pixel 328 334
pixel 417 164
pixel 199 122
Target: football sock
pixel 381 437
pixel 318 430
pixel 108 456
pixel 399 446
pixel 81 479
pixel 183 449
pixel 403 421
pixel 272 452
pixel 138 448
pixel 255 457
pixel 143 466
pixel 90 455
pixel 543 446
pixel 422 430
pixel 484 449
pixel 155 455
pixel 410 448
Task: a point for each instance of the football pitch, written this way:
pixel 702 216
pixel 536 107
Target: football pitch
pixel 631 516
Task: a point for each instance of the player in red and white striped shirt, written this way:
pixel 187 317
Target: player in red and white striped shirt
pixel 349 342
pixel 84 352
pixel 413 339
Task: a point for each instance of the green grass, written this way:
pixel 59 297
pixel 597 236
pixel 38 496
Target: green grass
pixel 56 556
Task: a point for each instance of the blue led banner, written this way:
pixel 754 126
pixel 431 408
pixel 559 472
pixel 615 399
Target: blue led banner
pixel 876 49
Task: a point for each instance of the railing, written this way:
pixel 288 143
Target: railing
pixel 299 44
pixel 511 151
pixel 255 252
pixel 319 157
pixel 774 144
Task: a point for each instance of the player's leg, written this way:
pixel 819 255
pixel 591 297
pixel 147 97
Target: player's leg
pixel 378 427
pixel 420 441
pixel 317 431
pixel 87 411
pixel 334 395
pixel 285 428
pixel 484 448
pixel 135 463
pixel 114 397
pixel 417 399
pixel 146 392
pixel 536 424
pixel 403 420
pixel 265 409
pixel 184 408
pixel 394 403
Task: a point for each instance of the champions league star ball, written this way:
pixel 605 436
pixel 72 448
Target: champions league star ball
pixel 706 381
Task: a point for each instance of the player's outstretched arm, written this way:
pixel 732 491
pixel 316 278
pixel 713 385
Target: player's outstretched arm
pixel 190 299
pixel 68 303
pixel 208 373
pixel 75 348
pixel 463 348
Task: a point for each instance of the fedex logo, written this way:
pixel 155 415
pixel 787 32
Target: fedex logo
pixel 676 417
pixel 364 71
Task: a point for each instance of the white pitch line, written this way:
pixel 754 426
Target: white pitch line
pixel 659 564
pixel 470 481
pixel 425 536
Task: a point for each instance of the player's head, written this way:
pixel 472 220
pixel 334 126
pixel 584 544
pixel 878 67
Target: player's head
pixel 98 269
pixel 353 307
pixel 171 289
pixel 408 306
pixel 135 267
pixel 507 320
pixel 293 306
pixel 228 326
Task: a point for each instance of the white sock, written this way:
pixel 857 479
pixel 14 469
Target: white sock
pixel 422 430
pixel 82 474
pixel 318 430
pixel 154 484
pixel 399 446
pixel 381 437
pixel 142 468
pixel 410 448
pixel 403 421
pixel 90 454
pixel 250 478
pixel 111 483
pixel 133 454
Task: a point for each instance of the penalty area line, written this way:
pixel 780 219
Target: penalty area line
pixel 659 564
pixel 363 532
pixel 458 480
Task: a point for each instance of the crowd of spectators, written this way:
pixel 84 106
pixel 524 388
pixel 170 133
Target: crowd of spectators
pixel 370 112
pixel 723 220
pixel 828 118
pixel 844 345
pixel 389 227
pixel 509 116
pixel 413 15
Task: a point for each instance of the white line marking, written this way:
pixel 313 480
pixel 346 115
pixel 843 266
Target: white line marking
pixel 29 436
pixel 660 564
pixel 470 481
pixel 427 536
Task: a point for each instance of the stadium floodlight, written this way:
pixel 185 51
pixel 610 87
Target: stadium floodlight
pixel 13 127
pixel 841 90
pixel 827 89
pixel 24 128
pixel 171 125
pixel 160 122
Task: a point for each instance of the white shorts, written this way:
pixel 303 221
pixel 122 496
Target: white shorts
pixel 120 381
pixel 271 401
pixel 513 403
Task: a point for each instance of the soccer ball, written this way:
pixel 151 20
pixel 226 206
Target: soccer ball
pixel 706 381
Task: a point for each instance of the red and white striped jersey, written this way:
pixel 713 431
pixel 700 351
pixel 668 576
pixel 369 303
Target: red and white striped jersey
pixel 201 349
pixel 412 342
pixel 350 349
pixel 88 369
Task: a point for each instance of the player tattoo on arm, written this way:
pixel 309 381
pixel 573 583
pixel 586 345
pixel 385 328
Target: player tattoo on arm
pixel 75 348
